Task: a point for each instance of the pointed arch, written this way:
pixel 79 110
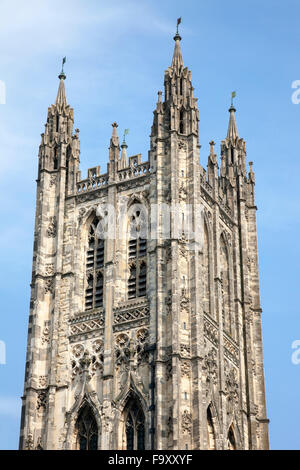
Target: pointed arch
pixel 206 270
pixel 94 265
pixel 86 429
pixel 55 158
pixel 181 121
pixel 134 424
pixel 68 158
pixel 225 279
pixel 83 400
pixel 130 393
pixel 137 247
pixel 231 439
pixel 211 433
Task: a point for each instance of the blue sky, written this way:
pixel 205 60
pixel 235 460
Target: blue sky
pixel 116 56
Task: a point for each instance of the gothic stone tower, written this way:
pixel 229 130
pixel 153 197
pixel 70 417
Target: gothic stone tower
pixel 145 341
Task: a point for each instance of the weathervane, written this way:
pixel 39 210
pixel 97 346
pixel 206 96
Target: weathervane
pixel 126 132
pixel 178 23
pixel 233 95
pixel 177 35
pixel 62 73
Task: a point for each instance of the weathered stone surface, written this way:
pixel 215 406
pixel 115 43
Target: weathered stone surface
pixel 169 330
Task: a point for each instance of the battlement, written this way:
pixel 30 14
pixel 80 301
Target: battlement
pixel 95 180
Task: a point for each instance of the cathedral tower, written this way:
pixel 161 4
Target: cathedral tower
pixel 145 318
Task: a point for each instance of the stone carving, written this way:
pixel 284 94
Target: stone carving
pixel 231 383
pixel 185 350
pixel 85 325
pixel 52 228
pixel 48 286
pixel 184 301
pixel 127 349
pixel 182 246
pixel 52 180
pixel 122 349
pixel 42 399
pixel 132 314
pixel 89 358
pixel 181 145
pixel 210 366
pixel 186 422
pixel 182 193
pixel 29 442
pixel 45 335
pixel 211 332
pixel 49 269
pixel 231 351
pixel 185 369
pixel 43 380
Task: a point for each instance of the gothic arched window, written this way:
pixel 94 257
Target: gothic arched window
pixel 211 437
pixel 94 269
pixel 134 426
pixel 55 159
pixel 68 156
pixel 87 430
pixel 137 253
pixel 181 122
pixel 181 86
pixel 225 288
pixel 231 442
pixel 206 271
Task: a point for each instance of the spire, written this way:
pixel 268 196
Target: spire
pixel 114 148
pixel 61 94
pixel 232 132
pixel 177 61
pixel 124 146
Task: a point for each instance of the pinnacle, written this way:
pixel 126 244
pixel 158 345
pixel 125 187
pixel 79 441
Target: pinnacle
pixel 232 132
pixel 61 94
pixel 177 61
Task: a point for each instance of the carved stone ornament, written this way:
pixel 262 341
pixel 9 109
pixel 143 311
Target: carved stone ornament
pixel 42 399
pixel 52 180
pixel 48 286
pixel 181 145
pixel 185 350
pixel 185 369
pixel 29 442
pixel 49 269
pixel 46 335
pixel 52 228
pixel 186 422
pixel 43 380
pixel 87 359
pixel 210 366
pixel 231 383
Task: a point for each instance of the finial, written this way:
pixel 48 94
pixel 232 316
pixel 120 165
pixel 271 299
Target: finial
pixel 126 132
pixel 62 74
pixel 159 93
pixel 177 35
pixel 212 147
pixel 114 131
